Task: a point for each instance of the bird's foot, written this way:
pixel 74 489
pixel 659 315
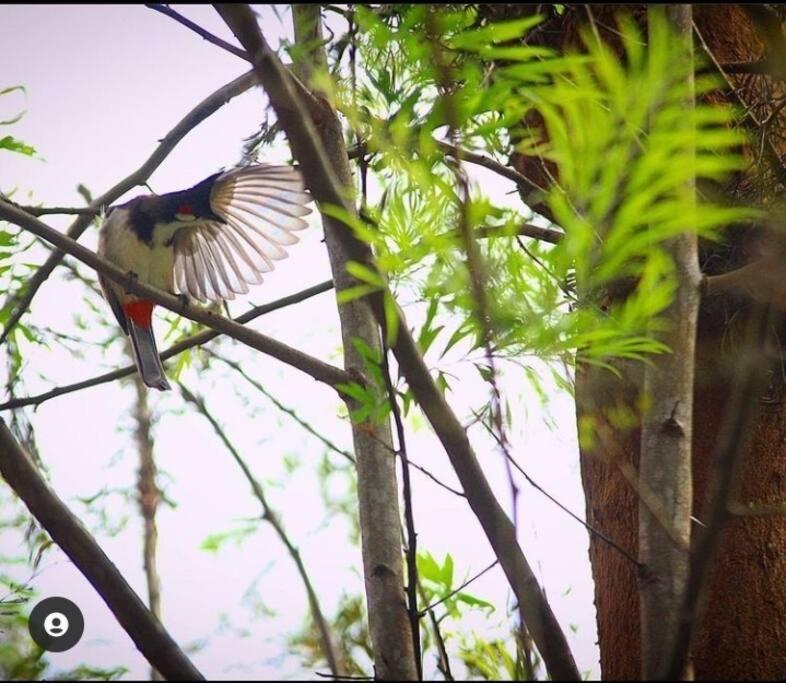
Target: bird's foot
pixel 183 302
pixel 131 275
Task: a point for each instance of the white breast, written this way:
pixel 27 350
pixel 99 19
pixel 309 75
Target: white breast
pixel 151 262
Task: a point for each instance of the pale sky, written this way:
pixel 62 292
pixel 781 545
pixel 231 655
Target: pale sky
pixel 104 84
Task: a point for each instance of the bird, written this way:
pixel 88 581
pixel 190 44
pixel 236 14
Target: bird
pixel 208 243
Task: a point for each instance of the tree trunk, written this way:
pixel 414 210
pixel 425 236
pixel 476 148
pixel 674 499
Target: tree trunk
pixel 744 626
pixel 380 524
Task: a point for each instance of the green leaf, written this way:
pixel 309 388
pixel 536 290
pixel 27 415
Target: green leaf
pixel 365 274
pixel 356 292
pixel 473 601
pixel 391 318
pixel 13 145
pixel 498 32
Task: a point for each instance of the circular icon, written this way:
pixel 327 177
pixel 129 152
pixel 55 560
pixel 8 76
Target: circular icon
pixel 56 624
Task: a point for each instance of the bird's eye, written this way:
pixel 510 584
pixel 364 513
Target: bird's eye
pixel 185 213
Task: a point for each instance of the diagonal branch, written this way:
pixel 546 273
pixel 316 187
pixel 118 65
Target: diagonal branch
pixel 284 409
pixel 284 93
pixel 197 339
pixel 65 529
pixel 270 516
pixel 320 371
pixel 196 28
pixel 21 300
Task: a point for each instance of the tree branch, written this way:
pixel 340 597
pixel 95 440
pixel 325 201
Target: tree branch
pixel 39 211
pixel 409 517
pixel 208 106
pixel 270 516
pixel 284 409
pixel 320 371
pixel 65 529
pixel 196 28
pixel 319 174
pixel 190 342
pixel 149 496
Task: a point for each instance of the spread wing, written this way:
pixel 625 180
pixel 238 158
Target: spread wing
pixel 262 207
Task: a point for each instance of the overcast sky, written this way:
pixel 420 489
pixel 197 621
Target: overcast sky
pixel 104 84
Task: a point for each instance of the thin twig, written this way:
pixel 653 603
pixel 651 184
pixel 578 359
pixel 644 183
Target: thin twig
pixel 443 662
pixel 476 269
pixel 409 515
pixel 284 409
pixel 595 532
pixel 459 589
pixel 270 516
pixel 184 345
pixel 204 33
pixel 149 498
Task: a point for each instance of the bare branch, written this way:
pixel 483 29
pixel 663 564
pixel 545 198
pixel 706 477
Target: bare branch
pixel 270 516
pixel 763 67
pixel 209 37
pixel 149 496
pixel 409 516
pixel 190 342
pixel 67 531
pixel 208 106
pixel 38 211
pixel 459 589
pixel 284 409
pixel 320 176
pixel 524 230
pixel 487 162
pixel 320 371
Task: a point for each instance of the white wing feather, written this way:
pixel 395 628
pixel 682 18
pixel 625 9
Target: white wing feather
pixel 262 207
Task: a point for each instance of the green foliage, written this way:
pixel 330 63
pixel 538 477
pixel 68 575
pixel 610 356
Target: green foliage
pixel 214 542
pixel 438 585
pixel 623 145
pixel 353 642
pixel 492 660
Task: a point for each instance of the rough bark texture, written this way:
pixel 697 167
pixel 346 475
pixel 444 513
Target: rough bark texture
pixel 377 489
pixel 667 426
pixel 744 628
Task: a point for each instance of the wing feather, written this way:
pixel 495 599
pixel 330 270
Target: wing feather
pixel 259 209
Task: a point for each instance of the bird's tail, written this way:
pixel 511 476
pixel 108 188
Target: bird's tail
pixel 146 356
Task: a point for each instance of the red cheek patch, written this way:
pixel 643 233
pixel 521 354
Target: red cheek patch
pixel 186 210
pixel 140 311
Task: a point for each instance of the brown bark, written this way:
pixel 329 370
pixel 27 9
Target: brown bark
pixel 378 507
pixel 742 634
